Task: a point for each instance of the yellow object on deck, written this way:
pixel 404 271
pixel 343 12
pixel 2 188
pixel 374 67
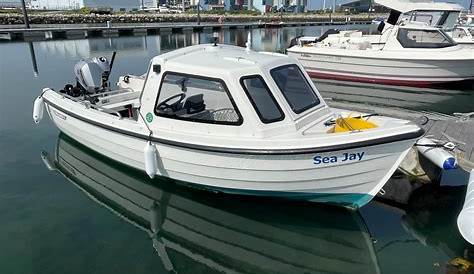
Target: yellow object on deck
pixel 351 124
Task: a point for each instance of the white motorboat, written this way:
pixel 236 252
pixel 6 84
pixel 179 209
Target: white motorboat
pixel 232 120
pixel 437 14
pixel 213 233
pixel 446 16
pixel 406 53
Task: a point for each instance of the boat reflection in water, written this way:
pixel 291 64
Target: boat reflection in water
pixel 202 232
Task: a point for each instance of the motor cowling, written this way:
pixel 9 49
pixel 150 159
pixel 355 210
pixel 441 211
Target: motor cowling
pixel 92 74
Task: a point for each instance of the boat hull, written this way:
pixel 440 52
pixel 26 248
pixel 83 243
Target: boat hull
pixel 306 176
pixel 387 71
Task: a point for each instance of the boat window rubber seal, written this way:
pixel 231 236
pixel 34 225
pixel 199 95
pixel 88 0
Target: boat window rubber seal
pixel 220 81
pixel 252 101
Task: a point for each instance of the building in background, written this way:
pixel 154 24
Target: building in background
pixel 11 4
pixel 361 6
pixel 265 6
pixel 56 4
pixel 77 4
pixel 356 6
pixel 212 4
pixel 149 3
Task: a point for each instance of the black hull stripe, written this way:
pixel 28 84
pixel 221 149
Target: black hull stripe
pixel 248 151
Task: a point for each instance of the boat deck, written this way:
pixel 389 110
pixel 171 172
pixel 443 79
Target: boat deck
pixel 438 126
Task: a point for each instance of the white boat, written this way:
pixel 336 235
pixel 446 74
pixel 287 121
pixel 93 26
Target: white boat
pixel 446 16
pixel 232 120
pixel 406 53
pixel 213 233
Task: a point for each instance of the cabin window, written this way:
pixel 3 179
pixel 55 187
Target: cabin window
pixel 262 99
pixel 295 87
pixel 448 19
pixel 422 38
pixel 197 99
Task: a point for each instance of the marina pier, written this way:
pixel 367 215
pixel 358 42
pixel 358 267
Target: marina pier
pixel 77 31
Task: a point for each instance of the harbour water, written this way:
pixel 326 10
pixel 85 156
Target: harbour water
pixel 93 215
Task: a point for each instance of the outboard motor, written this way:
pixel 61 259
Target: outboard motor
pixel 326 34
pixel 92 74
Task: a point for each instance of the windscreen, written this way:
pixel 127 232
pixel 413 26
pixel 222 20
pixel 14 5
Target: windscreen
pixel 423 38
pixel 262 99
pixel 295 88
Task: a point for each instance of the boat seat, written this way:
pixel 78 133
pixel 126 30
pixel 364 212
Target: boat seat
pixel 116 98
pixel 219 115
pixel 224 115
pixel 194 104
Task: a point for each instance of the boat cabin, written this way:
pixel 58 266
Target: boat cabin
pixel 227 90
pixel 436 14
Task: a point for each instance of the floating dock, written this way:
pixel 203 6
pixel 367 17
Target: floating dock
pixel 77 32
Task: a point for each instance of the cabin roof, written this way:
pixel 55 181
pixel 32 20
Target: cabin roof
pixel 221 57
pixel 405 6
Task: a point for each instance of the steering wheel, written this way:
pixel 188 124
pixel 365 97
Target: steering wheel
pixel 163 106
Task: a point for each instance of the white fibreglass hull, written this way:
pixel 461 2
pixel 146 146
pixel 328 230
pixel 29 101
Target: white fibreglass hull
pixel 352 183
pixel 396 71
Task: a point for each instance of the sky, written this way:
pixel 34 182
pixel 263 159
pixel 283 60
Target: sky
pixel 317 4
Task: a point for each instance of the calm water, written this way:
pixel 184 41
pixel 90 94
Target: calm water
pixel 92 215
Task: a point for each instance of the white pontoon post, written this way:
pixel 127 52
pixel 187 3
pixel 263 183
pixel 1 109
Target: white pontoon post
pixel 466 216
